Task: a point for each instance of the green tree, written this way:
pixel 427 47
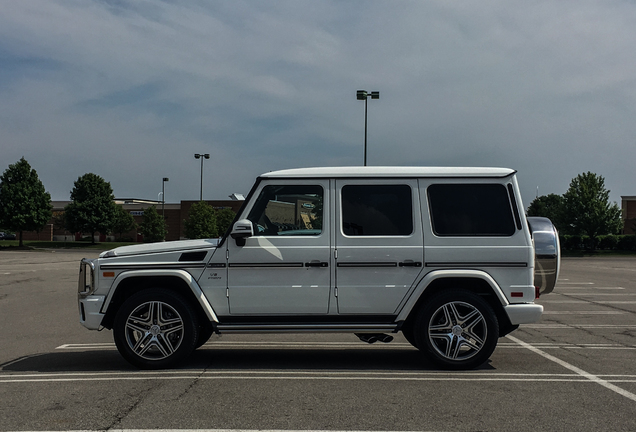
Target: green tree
pixel 123 222
pixel 587 209
pixel 92 208
pixel 24 203
pixel 153 228
pixel 224 219
pixel 550 206
pixel 201 222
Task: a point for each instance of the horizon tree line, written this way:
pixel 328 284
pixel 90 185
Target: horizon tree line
pixel 584 209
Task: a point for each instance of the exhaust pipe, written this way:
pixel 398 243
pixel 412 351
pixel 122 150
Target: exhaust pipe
pixel 374 337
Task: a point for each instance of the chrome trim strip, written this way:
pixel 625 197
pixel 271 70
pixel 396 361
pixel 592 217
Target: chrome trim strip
pixel 475 264
pixel 367 264
pixel 271 265
pixel 153 266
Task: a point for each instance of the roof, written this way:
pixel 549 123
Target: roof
pixel 349 172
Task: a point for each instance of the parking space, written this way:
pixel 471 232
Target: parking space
pixel 574 369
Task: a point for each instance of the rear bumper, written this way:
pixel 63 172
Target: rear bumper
pixel 523 313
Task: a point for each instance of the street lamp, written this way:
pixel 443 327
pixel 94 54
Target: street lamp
pixel 163 196
pixel 364 95
pixel 201 156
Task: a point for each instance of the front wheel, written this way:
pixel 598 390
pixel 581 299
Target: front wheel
pixel 457 329
pixel 155 328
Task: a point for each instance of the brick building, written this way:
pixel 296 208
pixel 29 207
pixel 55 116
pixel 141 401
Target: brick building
pixel 174 213
pixel 629 214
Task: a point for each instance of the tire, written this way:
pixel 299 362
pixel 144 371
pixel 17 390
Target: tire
pixel 457 329
pixel 155 329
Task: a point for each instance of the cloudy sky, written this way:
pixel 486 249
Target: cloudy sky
pixel 131 89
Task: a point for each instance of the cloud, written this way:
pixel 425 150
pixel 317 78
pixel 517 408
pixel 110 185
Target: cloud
pixel 130 90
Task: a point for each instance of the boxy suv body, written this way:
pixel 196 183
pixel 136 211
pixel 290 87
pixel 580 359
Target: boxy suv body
pixel 444 255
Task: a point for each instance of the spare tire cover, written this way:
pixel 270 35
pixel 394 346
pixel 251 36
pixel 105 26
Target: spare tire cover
pixel 547 253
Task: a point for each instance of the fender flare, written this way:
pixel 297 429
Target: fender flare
pixel 181 274
pixel 430 277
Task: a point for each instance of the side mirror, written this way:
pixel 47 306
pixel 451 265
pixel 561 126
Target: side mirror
pixel 241 230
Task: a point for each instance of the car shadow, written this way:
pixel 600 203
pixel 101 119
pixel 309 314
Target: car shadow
pixel 243 359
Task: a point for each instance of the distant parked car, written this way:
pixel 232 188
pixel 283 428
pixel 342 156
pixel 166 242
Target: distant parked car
pixel 7 236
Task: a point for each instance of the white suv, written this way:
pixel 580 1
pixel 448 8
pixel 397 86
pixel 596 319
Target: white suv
pixel 444 255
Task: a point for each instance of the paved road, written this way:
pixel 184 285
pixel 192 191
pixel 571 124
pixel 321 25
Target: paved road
pixel 574 370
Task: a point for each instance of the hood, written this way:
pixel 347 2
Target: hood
pixel 172 246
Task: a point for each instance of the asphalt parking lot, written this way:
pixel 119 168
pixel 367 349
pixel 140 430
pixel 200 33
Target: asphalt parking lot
pixel 573 370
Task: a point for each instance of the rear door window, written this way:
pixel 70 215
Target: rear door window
pixel 470 210
pixel 377 210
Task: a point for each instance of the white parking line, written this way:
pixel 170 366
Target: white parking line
pixel 351 345
pixel 215 430
pixel 614 302
pixel 583 313
pixel 590 288
pixel 305 375
pixel 547 345
pixel 579 326
pixel 594 378
pixel 588 294
pixel 588 302
pixel 247 344
pixel 354 345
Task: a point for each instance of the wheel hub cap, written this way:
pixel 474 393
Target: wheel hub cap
pixel 154 330
pixel 457 331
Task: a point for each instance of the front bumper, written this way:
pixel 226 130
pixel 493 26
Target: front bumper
pixel 89 305
pixel 89 310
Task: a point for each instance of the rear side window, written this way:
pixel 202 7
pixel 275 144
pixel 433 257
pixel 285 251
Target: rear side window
pixel 470 210
pixel 377 210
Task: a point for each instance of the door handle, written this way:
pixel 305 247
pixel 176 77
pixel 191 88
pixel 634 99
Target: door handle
pixel 316 263
pixel 410 263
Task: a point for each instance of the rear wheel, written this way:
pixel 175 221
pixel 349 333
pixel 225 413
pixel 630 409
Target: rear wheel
pixel 457 329
pixel 155 329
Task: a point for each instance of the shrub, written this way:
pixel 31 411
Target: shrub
pixel 627 242
pixel 572 242
pixel 608 242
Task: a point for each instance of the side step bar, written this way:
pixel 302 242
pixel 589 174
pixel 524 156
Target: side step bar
pixel 307 328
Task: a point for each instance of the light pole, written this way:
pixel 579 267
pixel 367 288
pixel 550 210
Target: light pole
pixel 201 156
pixel 364 95
pixel 163 196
